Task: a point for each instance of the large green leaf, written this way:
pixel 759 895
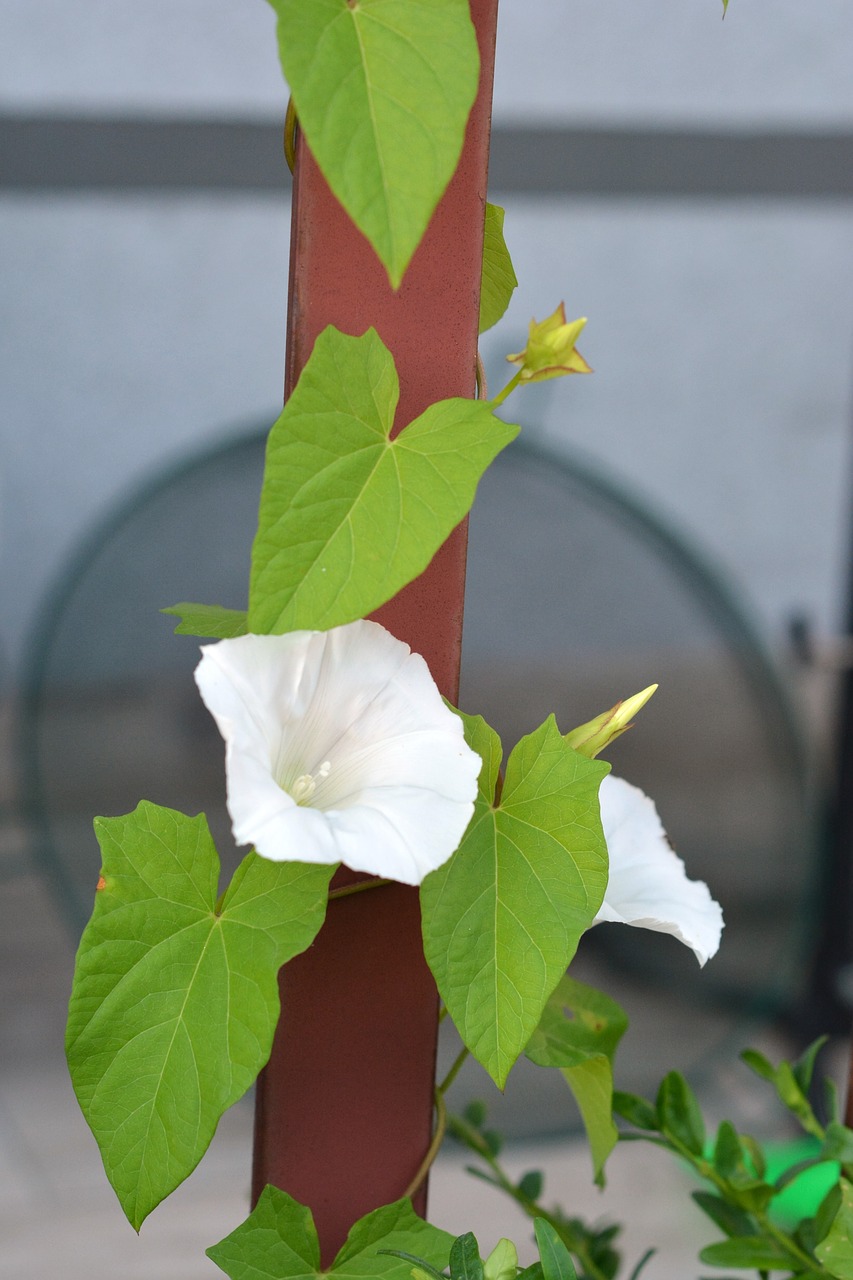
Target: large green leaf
pixel 502 918
pixel 278 1241
pixel 382 89
pixel 579 1031
pixel 175 998
pixel 349 516
pixel 498 280
pixel 835 1251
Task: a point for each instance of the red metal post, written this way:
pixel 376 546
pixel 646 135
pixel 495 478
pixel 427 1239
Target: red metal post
pixel 344 1108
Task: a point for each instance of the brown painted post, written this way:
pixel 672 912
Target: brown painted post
pixel 344 1108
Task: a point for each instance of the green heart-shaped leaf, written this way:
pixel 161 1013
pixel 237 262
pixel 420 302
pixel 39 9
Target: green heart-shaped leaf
pixel 503 917
pixel 382 89
pixel 279 1240
pixel 348 516
pixel 175 999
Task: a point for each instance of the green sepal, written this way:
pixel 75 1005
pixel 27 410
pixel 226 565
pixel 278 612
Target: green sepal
pixel 175 999
pixel 209 621
pixel 279 1240
pixel 503 917
pixel 349 516
pixel 499 279
pixel 382 89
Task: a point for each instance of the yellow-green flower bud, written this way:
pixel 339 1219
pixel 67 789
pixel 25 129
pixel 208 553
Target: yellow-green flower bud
pixel 591 738
pixel 550 350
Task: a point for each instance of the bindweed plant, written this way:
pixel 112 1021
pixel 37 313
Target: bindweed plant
pixel 339 749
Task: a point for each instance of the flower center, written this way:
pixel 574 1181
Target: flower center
pixel 306 784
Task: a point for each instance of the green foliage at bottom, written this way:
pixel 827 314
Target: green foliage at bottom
pixel 278 1241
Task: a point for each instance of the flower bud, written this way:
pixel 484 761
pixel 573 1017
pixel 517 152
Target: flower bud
pixel 591 738
pixel 550 350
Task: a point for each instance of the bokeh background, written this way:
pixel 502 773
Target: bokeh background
pixel 682 516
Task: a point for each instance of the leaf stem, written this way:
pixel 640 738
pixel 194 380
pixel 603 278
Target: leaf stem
pixel 464 1053
pixel 361 886
pixel 433 1148
pixel 507 390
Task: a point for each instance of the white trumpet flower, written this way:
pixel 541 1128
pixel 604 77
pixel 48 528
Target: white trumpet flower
pixel 339 748
pixel 648 886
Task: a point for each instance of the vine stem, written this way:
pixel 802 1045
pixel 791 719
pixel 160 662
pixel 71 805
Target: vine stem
pixel 434 1147
pixel 361 886
pixel 440 1122
pixel 464 1053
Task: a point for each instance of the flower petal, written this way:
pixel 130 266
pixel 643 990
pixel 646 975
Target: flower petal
pixel 352 723
pixel 648 885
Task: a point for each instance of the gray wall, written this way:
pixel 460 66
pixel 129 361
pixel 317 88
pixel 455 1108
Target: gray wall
pixel 137 326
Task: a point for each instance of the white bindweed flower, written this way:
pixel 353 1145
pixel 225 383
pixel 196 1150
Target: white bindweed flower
pixel 339 748
pixel 648 886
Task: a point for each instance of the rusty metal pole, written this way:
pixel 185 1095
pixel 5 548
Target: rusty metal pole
pixel 344 1108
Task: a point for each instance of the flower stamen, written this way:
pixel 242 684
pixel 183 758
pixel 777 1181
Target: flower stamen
pixel 306 784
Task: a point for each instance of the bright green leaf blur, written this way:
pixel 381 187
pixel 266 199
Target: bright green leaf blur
pixel 348 516
pixel 382 89
pixel 175 1001
pixel 502 918
pixel 210 621
pixel 279 1239
pixel 498 280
